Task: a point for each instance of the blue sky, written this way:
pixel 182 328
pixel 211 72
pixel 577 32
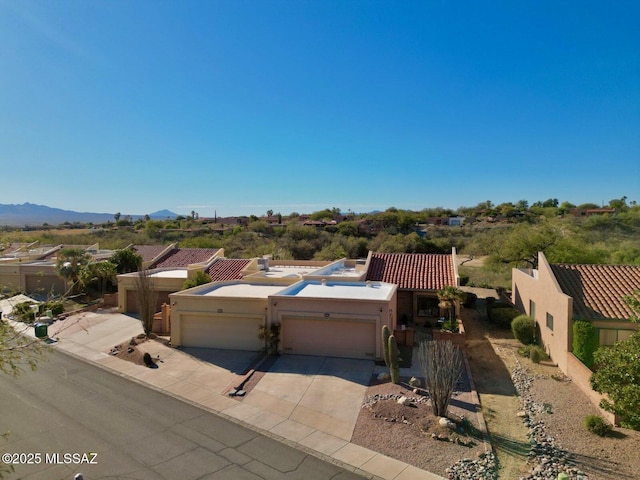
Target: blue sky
pixel 239 107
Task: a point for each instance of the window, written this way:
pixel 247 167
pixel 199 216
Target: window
pixel 550 321
pixel 532 309
pixel 427 306
pixel 611 337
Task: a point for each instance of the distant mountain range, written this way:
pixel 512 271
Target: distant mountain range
pixel 29 214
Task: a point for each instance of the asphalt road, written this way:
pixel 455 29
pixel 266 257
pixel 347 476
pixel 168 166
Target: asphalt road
pixel 70 416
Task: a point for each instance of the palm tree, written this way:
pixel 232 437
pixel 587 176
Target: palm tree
pixel 448 298
pixel 70 263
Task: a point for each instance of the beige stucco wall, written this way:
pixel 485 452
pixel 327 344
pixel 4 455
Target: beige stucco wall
pixel 377 312
pixel 541 286
pixel 127 283
pixel 10 275
pixel 190 304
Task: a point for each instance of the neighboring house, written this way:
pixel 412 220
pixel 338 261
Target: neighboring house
pixel 418 276
pixel 169 269
pixel 557 295
pixel 32 268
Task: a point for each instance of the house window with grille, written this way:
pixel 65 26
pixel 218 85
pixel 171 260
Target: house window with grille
pixel 550 321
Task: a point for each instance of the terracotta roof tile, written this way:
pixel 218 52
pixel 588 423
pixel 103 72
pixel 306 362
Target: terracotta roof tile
pixel 183 257
pixel 597 290
pixel 412 271
pixel 148 252
pixel 227 269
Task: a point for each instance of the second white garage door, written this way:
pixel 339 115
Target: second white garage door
pixel 230 333
pixel 332 338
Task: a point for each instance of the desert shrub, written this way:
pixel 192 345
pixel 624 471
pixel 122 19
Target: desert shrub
pixel 524 329
pixel 56 307
pixel 464 279
pixel 585 341
pixel 23 311
pixel 596 424
pixel 501 314
pixel 535 354
pixel 25 314
pixel 450 326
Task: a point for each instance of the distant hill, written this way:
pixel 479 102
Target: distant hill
pixel 29 214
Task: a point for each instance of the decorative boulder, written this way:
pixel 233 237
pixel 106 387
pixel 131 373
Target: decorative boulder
pixel 415 382
pixel 384 377
pixel 445 422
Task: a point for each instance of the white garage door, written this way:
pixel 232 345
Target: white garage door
pixel 231 333
pixel 332 338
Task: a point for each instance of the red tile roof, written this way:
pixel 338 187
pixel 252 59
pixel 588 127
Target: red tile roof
pixel 183 257
pixel 227 269
pixel 413 271
pixel 149 252
pixel 597 290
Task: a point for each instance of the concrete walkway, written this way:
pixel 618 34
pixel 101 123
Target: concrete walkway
pixel 309 402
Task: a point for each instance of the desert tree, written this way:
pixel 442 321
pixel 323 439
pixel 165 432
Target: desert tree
pixel 147 299
pixel 127 260
pixel 98 274
pixel 441 363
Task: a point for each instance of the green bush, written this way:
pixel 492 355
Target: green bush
pixel 200 278
pixel 585 341
pixel 524 329
pixel 56 307
pixel 450 326
pixel 501 314
pixel 464 279
pixel 23 311
pixel 597 425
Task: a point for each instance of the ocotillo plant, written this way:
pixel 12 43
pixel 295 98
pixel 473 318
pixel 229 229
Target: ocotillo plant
pixel 394 360
pixel 385 344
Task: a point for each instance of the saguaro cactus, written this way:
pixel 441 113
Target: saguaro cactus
pixel 386 333
pixel 394 360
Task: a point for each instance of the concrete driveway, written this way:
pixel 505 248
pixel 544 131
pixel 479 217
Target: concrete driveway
pixel 322 393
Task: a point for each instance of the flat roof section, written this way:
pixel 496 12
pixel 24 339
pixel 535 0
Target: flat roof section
pixel 341 290
pixel 178 273
pixel 280 271
pixel 241 290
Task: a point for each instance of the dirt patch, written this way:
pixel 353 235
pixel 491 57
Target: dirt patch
pixel 412 433
pixel 131 351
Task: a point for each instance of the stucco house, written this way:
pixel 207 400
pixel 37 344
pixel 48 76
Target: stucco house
pixel 418 276
pixel 31 268
pixel 557 295
pixel 333 309
pixel 169 268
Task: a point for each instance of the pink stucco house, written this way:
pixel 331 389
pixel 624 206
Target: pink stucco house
pixel 556 295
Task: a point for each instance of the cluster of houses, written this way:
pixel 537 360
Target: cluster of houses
pixel 338 308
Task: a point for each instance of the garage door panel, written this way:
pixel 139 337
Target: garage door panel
pixel 231 333
pixel 335 338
